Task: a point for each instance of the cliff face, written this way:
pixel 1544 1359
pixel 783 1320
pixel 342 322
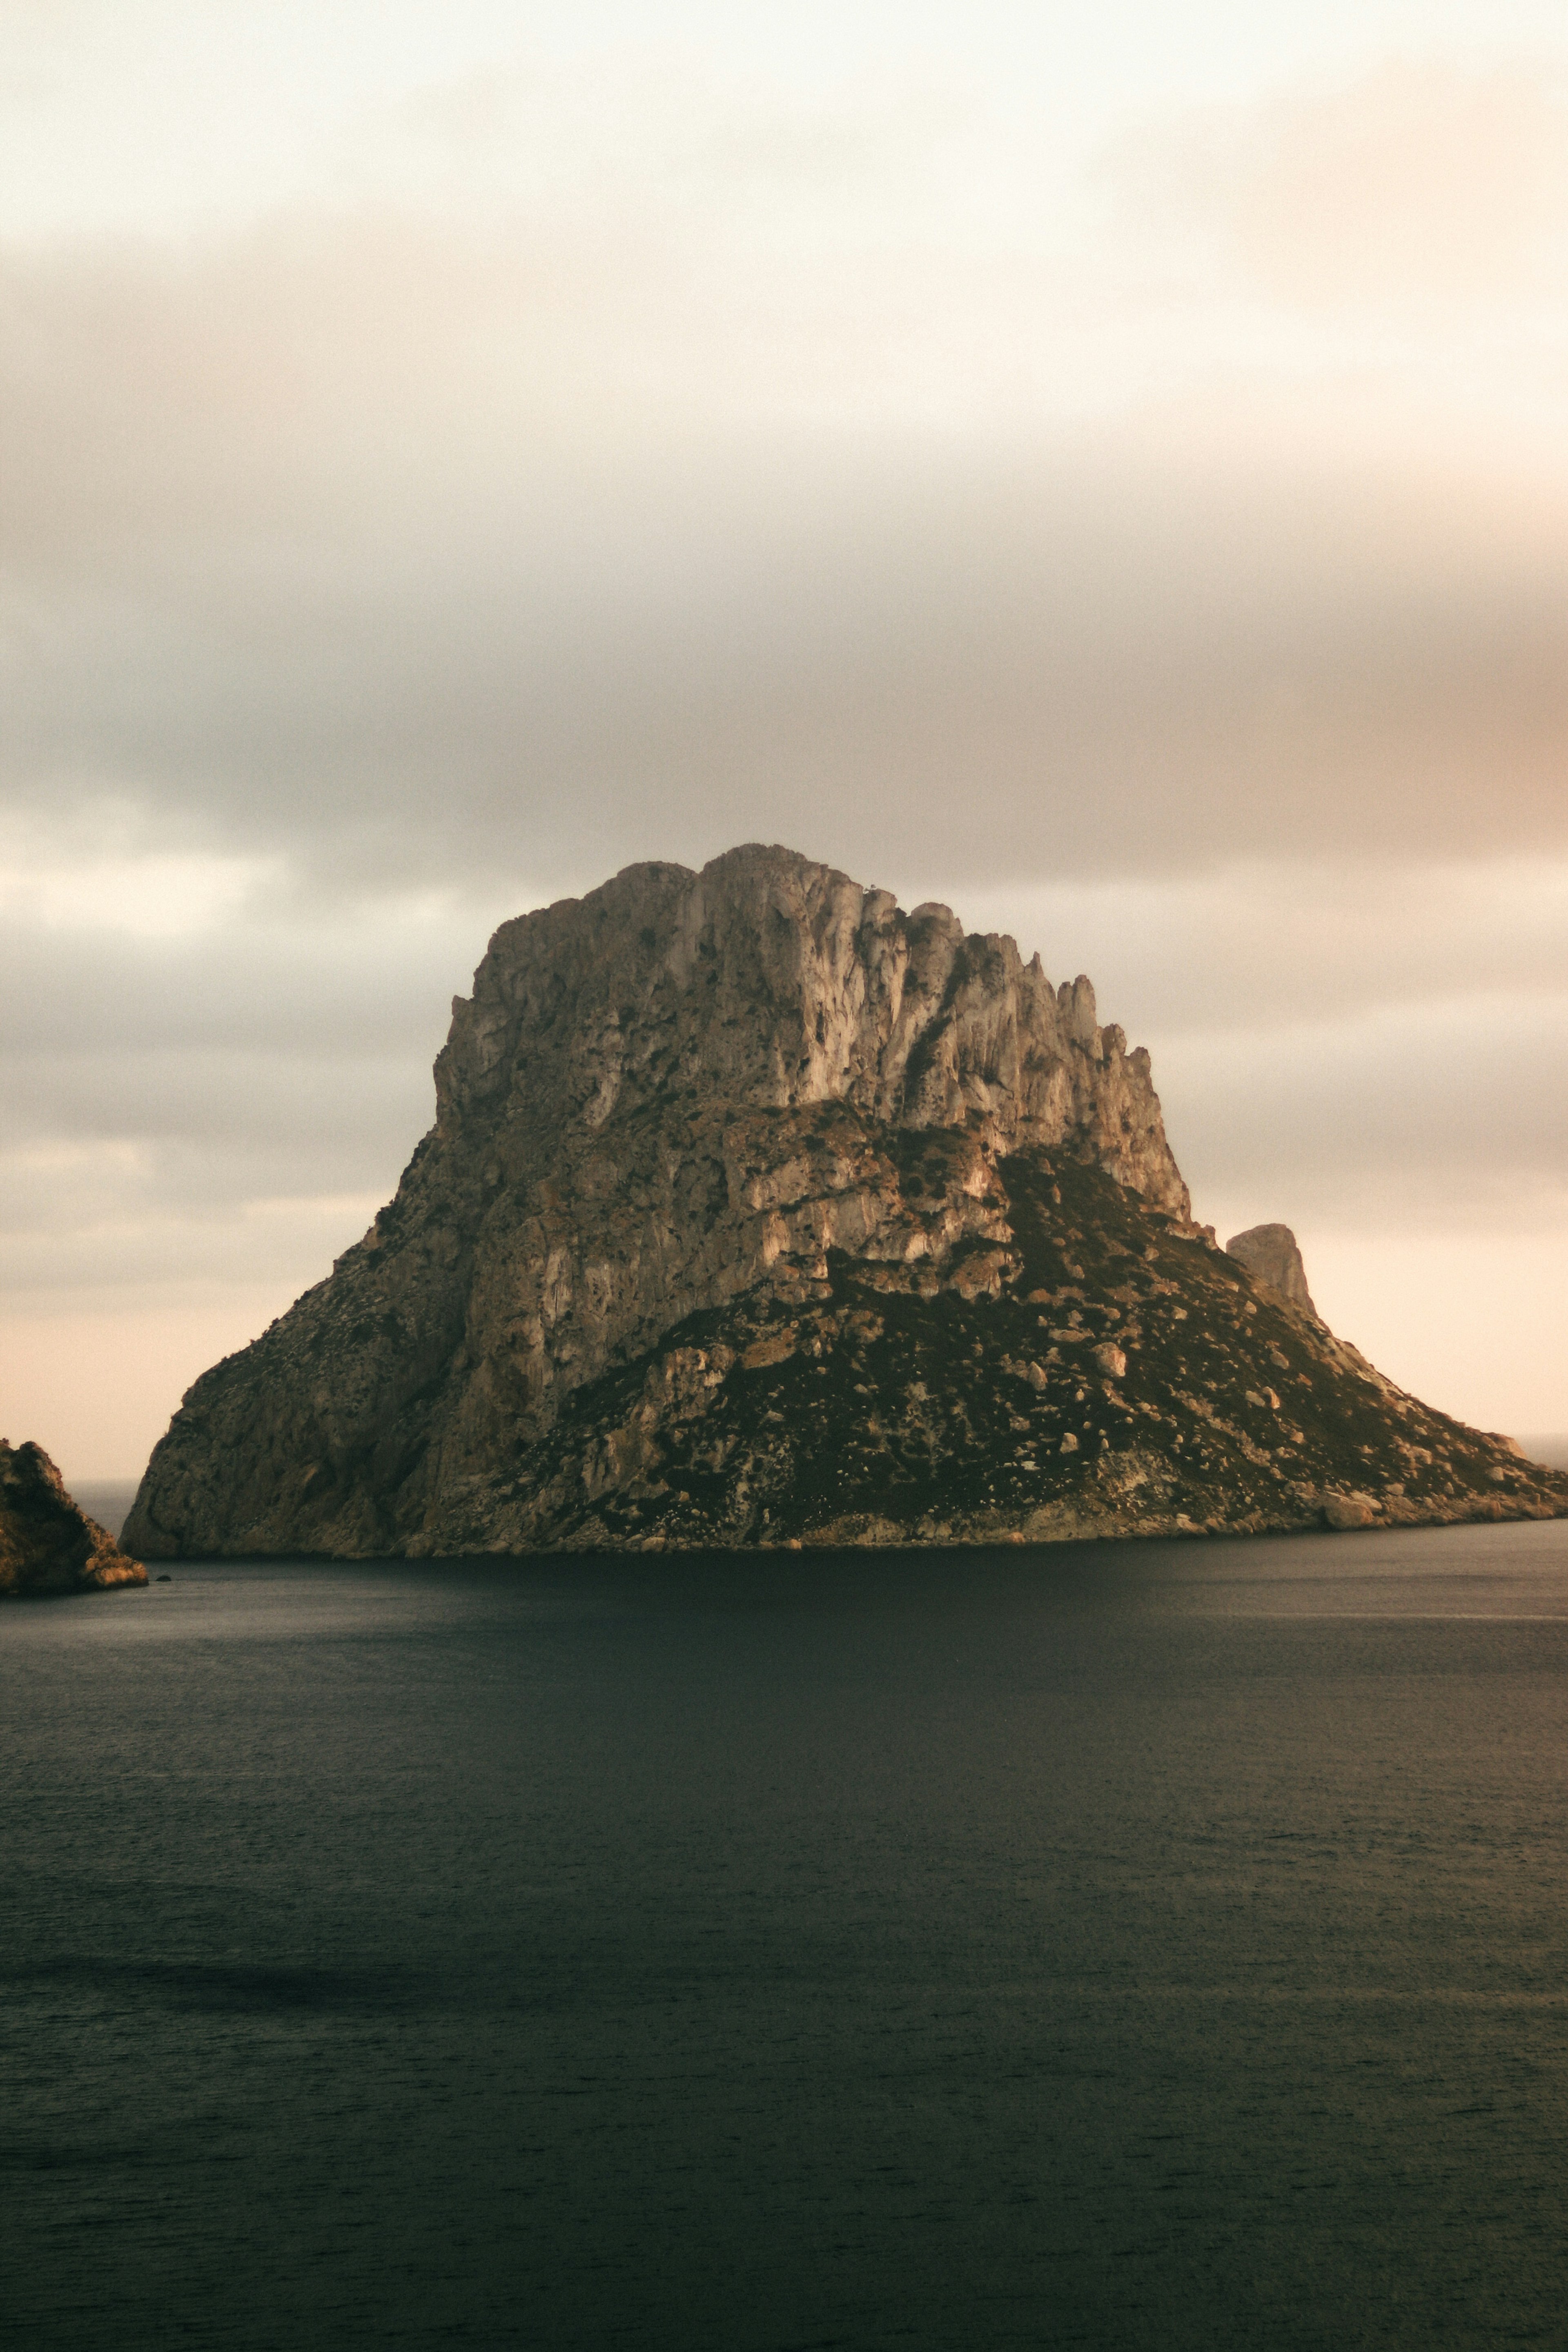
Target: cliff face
pixel 46 1544
pixel 701 1140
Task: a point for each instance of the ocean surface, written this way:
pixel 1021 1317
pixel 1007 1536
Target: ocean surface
pixel 1142 1945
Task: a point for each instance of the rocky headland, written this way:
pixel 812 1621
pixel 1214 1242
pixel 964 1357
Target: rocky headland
pixel 757 1210
pixel 48 1545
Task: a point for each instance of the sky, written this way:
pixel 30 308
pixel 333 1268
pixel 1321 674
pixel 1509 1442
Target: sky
pixel 1102 469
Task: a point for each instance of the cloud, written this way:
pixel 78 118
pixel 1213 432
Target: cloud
pixel 1119 650
pixel 200 1120
pixel 1284 949
pixel 629 454
pixel 1362 1052
pixel 1418 186
pixel 677 449
pixel 146 895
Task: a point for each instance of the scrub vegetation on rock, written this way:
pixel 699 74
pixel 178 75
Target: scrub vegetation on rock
pixel 758 1211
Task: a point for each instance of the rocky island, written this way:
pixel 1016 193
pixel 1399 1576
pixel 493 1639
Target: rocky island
pixel 46 1544
pixel 757 1210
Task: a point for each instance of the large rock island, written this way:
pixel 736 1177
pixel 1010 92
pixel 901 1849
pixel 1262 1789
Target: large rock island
pixel 759 1211
pixel 46 1544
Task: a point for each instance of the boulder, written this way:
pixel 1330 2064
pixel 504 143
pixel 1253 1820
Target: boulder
pixel 1269 1254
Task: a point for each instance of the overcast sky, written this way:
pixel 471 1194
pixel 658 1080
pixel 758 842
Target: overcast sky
pixel 1104 467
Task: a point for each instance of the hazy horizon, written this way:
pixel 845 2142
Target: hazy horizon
pixel 1106 474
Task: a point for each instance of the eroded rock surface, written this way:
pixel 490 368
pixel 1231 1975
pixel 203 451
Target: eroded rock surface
pixel 757 1210
pixel 1269 1254
pixel 46 1544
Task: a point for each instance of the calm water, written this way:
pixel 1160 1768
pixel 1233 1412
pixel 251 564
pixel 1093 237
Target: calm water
pixel 1134 1945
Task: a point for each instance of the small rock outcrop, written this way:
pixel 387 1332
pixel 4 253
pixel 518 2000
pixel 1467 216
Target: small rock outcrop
pixel 1269 1254
pixel 46 1544
pixel 758 1211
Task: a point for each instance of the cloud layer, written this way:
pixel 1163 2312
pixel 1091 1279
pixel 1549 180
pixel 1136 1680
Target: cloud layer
pixel 1134 513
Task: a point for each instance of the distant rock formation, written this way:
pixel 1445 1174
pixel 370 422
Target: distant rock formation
pixel 758 1211
pixel 1269 1254
pixel 46 1544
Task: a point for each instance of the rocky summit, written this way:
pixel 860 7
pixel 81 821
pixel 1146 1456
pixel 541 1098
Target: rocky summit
pixel 1269 1252
pixel 757 1210
pixel 46 1544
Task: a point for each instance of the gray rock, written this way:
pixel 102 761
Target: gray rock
pixel 657 1098
pixel 751 1207
pixel 1269 1254
pixel 1343 1512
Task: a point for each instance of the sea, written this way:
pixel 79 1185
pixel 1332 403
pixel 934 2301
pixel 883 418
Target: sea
pixel 1133 1945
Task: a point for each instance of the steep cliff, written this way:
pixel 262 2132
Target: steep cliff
pixel 757 1210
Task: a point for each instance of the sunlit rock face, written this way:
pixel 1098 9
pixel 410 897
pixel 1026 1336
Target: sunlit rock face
pixel 757 1210
pixel 46 1544
pixel 1269 1254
